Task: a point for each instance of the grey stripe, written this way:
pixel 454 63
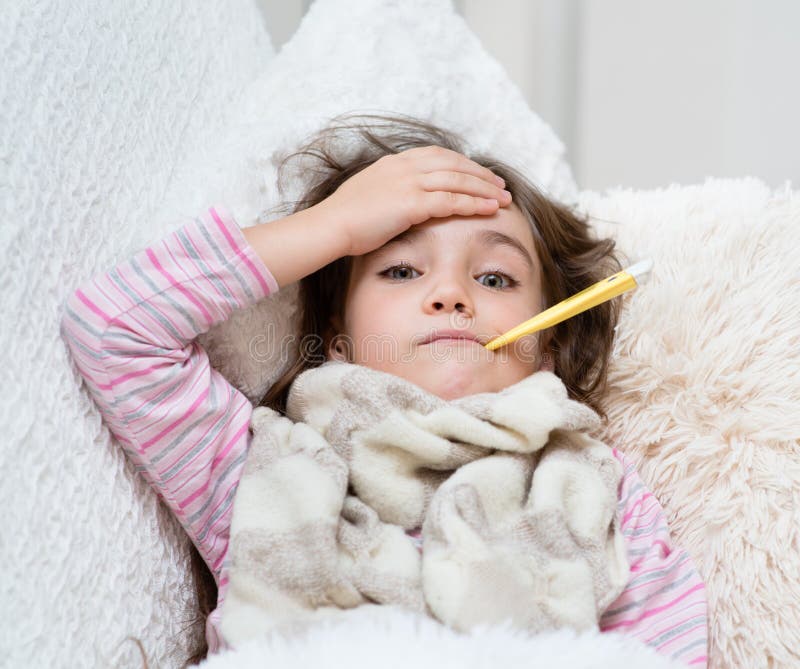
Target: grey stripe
pixel 140 390
pixel 228 499
pixel 640 602
pixel 127 352
pixel 672 633
pixel 212 276
pixel 177 306
pixel 642 530
pixel 123 287
pixel 75 316
pixel 660 573
pixel 95 355
pixel 636 488
pixel 686 649
pixel 156 400
pixel 110 334
pixel 213 434
pixel 224 260
pixel 639 551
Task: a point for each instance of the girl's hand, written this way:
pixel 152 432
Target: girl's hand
pixel 403 189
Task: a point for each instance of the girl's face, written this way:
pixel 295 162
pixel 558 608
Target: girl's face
pixel 422 305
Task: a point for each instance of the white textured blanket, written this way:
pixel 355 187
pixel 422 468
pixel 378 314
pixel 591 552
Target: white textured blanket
pixel 391 638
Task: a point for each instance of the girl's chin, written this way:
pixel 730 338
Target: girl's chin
pixel 451 379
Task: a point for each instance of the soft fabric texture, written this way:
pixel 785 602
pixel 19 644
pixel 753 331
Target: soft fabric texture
pixel 100 104
pixel 705 390
pixel 393 638
pixel 518 507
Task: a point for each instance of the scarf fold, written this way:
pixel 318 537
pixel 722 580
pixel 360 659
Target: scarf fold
pixel 518 507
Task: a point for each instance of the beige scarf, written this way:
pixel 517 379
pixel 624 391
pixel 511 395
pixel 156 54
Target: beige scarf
pixel 518 507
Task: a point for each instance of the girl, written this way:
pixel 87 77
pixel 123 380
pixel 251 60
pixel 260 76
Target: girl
pixel 408 253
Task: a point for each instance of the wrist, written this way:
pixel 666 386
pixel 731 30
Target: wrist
pixel 326 222
pixel 297 245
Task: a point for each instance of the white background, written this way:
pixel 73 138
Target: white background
pixel 646 93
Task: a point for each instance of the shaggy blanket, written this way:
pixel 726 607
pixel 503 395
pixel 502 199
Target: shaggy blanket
pixel 390 638
pixel 518 507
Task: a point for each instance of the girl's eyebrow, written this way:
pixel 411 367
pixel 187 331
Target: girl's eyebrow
pixel 484 237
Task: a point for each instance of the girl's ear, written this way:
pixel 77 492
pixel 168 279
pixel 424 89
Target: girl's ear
pixel 336 349
pixel 336 342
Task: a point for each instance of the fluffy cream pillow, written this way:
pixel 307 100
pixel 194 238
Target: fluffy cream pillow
pixel 705 395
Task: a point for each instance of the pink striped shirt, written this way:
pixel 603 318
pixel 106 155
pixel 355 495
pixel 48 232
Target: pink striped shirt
pixel 131 332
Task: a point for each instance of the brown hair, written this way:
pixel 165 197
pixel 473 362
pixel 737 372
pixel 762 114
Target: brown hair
pixel 571 258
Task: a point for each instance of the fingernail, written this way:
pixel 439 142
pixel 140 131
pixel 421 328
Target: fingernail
pixel 500 180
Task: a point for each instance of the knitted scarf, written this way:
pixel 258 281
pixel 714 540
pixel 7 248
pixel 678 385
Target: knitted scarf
pixel 518 507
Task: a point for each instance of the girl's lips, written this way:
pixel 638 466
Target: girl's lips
pixel 451 336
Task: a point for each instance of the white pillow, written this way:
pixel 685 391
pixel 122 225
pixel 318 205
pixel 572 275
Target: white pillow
pixel 416 57
pixel 100 102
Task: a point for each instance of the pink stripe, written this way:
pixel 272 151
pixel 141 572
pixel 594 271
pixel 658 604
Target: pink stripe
pixel 133 283
pixel 223 519
pixel 652 612
pixel 633 508
pixel 268 287
pixel 191 379
pixel 189 296
pixel 177 422
pixel 196 248
pixel 656 529
pixel 647 538
pixel 186 502
pixel 227 448
pixel 665 553
pixel 698 660
pixel 133 375
pixel 702 625
pixel 201 523
pixel 82 297
pixel 210 424
pixel 219 561
pixel 675 574
pixel 644 540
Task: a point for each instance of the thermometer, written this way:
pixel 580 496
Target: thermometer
pixel 602 291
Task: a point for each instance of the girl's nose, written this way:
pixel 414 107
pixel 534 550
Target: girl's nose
pixel 449 297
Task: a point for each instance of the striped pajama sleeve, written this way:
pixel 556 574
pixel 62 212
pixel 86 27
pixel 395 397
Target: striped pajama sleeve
pixel 664 604
pixel 130 332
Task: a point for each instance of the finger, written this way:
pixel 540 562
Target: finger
pixel 435 158
pixel 468 184
pixel 440 204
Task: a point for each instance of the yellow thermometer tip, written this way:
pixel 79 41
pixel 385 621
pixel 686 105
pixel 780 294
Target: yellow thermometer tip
pixel 598 293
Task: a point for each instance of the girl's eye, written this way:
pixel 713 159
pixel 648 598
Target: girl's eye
pixel 400 272
pixel 498 280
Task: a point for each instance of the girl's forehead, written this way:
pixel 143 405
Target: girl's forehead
pixel 508 227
